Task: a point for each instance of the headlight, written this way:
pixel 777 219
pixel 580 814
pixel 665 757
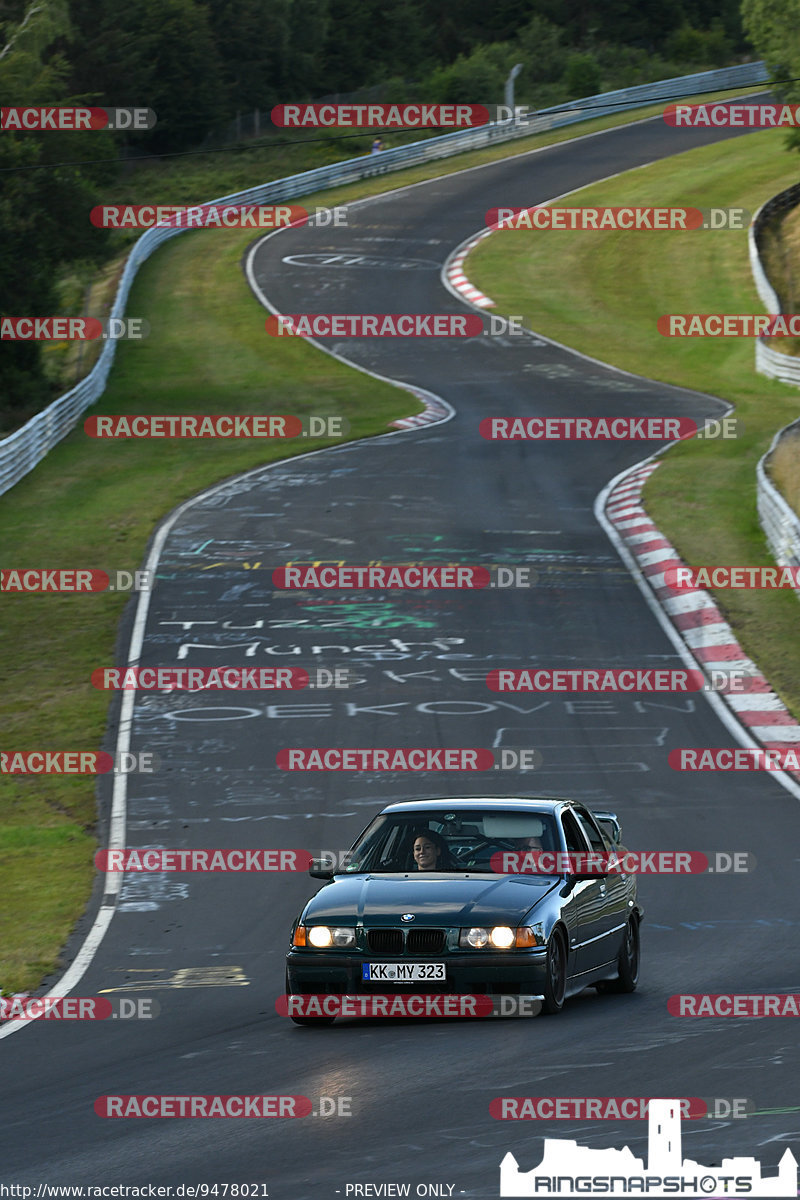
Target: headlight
pixel 339 936
pixel 501 937
pixel 475 938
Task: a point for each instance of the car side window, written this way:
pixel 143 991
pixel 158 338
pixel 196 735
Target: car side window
pixel 576 842
pixel 594 835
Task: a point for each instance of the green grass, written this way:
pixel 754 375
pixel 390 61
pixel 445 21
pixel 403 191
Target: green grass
pixel 95 503
pixel 602 293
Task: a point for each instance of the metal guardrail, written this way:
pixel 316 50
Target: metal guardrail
pixel 21 451
pixel 779 521
pixel 769 362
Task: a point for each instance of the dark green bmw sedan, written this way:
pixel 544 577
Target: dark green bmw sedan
pixel 491 897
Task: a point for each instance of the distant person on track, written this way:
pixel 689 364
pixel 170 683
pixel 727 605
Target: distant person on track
pixel 377 146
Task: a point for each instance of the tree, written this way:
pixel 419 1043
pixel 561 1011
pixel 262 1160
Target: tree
pixel 44 209
pixel 157 54
pixel 252 40
pixel 309 23
pixel 773 27
pixel 582 76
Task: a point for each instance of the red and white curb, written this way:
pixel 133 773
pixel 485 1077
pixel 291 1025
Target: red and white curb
pixel 697 619
pixel 457 279
pixel 436 410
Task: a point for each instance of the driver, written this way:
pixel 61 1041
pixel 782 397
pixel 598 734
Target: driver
pixel 431 852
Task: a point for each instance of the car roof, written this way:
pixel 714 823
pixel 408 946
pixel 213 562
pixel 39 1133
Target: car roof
pixel 470 803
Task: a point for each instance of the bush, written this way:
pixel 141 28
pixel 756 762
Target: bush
pixel 582 76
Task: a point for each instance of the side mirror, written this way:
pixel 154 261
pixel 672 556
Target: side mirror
pixel 319 869
pixel 610 824
pixel 578 876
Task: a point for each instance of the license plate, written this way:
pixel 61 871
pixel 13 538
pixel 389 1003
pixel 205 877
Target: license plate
pixel 402 972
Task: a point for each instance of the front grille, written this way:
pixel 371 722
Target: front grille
pixel 406 941
pixel 385 941
pixel 425 941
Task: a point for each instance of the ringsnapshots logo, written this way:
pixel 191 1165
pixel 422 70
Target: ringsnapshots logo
pixel 567 1169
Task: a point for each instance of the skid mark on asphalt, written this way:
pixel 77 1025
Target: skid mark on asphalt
pixel 184 977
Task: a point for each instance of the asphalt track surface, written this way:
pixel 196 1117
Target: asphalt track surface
pixel 211 949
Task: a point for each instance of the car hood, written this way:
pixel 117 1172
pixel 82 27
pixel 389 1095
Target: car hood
pixel 436 900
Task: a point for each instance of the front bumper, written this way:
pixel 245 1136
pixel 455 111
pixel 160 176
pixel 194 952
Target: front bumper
pixel 492 973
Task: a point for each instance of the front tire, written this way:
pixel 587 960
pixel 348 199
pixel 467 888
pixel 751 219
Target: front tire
pixel 555 985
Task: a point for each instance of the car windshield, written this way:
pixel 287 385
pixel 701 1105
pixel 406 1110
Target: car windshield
pixel 449 841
